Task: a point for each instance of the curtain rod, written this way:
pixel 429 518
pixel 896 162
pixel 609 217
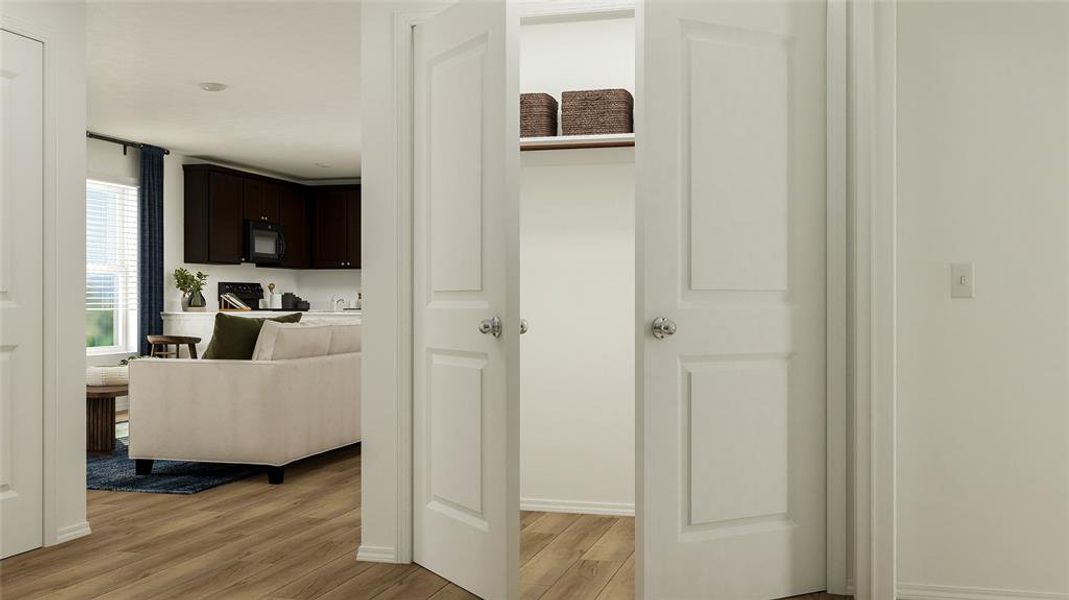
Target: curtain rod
pixel 114 140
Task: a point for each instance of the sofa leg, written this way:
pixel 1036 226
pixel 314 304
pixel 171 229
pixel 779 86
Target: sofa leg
pixel 275 475
pixel 143 466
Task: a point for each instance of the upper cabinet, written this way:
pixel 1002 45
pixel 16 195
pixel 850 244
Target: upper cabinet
pixel 260 199
pixel 352 220
pixel 213 215
pixel 320 224
pixel 336 233
pixel 294 206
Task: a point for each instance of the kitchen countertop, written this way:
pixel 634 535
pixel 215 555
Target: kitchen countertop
pixel 265 313
pixel 202 324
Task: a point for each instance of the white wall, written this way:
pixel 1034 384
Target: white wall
pixel 577 394
pixel 983 384
pixel 62 25
pixel 578 55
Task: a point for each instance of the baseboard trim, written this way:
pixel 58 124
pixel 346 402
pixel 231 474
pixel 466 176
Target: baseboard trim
pixel 378 554
pixel 919 591
pixel 617 509
pixel 72 532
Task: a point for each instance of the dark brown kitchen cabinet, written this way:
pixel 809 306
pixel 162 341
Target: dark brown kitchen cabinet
pixel 213 215
pixel 320 224
pixel 293 209
pixel 260 201
pixel 353 222
pixel 336 233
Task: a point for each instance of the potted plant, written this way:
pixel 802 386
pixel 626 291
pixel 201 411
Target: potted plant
pixel 191 285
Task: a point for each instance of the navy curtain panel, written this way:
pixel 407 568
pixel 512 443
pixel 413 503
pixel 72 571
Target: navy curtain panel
pixel 150 246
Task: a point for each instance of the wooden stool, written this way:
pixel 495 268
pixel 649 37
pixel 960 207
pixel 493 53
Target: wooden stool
pixel 100 416
pixel 160 345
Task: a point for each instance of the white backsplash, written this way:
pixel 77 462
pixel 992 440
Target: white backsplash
pixel 317 287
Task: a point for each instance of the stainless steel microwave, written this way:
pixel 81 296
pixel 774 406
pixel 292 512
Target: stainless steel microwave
pixel 265 242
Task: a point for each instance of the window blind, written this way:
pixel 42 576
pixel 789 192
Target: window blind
pixel 111 266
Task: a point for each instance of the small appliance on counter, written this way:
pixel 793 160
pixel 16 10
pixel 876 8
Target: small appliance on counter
pixel 294 302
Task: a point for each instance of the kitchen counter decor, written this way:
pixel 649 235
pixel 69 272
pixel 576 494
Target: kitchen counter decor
pixel 191 285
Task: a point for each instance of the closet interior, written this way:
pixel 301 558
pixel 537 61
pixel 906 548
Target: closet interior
pixel 577 266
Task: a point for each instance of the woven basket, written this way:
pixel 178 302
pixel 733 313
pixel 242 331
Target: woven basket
pixel 538 115
pixel 591 112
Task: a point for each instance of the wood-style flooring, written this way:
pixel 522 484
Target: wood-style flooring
pixel 250 540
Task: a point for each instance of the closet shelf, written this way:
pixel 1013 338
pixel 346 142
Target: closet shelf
pixel 575 142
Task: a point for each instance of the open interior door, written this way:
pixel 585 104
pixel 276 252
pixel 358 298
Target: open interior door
pixel 731 279
pixel 21 295
pixel 466 297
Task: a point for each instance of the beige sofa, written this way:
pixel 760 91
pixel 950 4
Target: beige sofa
pixel 300 396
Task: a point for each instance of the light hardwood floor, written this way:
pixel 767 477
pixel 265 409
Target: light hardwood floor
pixel 249 540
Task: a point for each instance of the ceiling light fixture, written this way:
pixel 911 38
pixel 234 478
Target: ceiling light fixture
pixel 212 86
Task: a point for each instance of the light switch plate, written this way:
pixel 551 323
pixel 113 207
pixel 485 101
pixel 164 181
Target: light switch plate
pixel 961 281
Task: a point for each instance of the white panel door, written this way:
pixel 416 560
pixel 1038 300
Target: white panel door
pixel 731 169
pixel 466 298
pixel 21 280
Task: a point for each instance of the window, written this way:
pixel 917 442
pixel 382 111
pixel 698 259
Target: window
pixel 110 267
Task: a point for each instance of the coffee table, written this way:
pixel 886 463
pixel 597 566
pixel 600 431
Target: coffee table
pixel 100 416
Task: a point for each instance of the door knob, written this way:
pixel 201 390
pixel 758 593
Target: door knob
pixel 662 327
pixel 523 326
pixel 491 326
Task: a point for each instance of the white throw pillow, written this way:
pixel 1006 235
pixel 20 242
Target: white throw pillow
pixel 107 375
pixel 281 341
pixel 345 338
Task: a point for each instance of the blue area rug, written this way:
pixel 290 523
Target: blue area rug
pixel 115 472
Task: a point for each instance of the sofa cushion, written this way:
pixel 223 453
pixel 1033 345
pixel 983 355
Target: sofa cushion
pixel 235 337
pixel 281 341
pixel 345 338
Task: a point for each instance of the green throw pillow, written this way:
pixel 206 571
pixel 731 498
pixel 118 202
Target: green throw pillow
pixel 235 337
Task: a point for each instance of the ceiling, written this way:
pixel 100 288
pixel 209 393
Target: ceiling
pixel 293 71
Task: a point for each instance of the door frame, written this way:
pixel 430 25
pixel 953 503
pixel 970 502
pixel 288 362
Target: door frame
pixel 872 195
pixel 59 469
pixel 860 286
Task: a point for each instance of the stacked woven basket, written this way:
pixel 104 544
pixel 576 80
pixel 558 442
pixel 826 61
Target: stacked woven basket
pixel 583 112
pixel 592 112
pixel 538 115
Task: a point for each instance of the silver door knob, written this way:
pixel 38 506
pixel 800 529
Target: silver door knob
pixel 662 327
pixel 523 326
pixel 491 326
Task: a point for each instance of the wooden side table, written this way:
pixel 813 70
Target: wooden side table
pixel 100 416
